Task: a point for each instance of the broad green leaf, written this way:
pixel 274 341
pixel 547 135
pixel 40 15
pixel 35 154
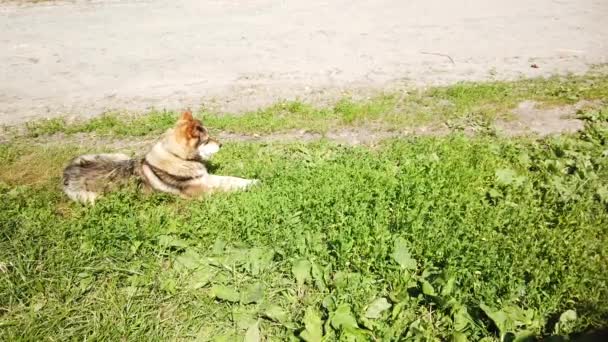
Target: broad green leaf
pixel 344 280
pixel 276 313
pixel 205 333
pixel 168 285
pixel 340 280
pixel 83 284
pixel 313 326
pixel 568 316
pixel 189 260
pixel 135 246
pixel 565 321
pixel 227 337
pixel 508 177
pixel 433 157
pixel 401 254
pixel 329 303
pixel 602 194
pixel 487 339
pixel 168 241
pixel 448 287
pixel 375 309
pixel 244 317
pixel 493 193
pixel 235 256
pixel 253 294
pixel 225 293
pixel 505 176
pixel 218 247
pixel 427 272
pixel 397 309
pixel 415 328
pixel 301 271
pixel 427 288
pixel 87 247
pixel 461 319
pixel 317 275
pixel 253 333
pixel 499 318
pixel 511 318
pixel 524 336
pixel 342 318
pixel 260 259
pixel 459 337
pixel 519 316
pixel 368 323
pixel 38 303
pixel 200 278
pixel 524 159
pixel 354 335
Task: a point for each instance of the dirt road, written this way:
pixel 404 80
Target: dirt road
pixel 81 58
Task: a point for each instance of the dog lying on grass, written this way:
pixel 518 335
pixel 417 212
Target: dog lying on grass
pixel 174 165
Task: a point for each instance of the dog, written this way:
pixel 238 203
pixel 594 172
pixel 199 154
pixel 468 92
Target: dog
pixel 175 165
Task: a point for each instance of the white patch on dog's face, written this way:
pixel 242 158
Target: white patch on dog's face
pixel 208 150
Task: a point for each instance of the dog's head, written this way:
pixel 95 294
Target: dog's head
pixel 190 140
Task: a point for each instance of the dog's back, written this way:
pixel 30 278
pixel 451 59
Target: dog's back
pixel 87 176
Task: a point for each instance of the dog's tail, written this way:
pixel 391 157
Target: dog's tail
pixel 87 176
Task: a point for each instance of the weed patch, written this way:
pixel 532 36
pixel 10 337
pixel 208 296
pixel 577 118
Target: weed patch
pixel 429 238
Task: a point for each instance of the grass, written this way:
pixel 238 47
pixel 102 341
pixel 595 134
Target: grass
pixel 429 238
pixel 464 101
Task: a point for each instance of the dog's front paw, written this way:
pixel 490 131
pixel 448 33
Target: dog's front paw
pixel 248 183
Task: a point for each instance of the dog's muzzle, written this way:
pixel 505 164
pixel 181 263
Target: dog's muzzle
pixel 209 148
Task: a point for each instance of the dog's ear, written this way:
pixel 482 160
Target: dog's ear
pixel 193 129
pixel 187 115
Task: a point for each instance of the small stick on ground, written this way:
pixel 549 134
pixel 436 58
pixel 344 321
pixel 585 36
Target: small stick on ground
pixel 438 54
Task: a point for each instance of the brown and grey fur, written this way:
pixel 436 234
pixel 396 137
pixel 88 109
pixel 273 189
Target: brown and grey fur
pixel 174 165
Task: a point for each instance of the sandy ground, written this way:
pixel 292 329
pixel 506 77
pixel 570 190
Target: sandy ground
pixel 81 58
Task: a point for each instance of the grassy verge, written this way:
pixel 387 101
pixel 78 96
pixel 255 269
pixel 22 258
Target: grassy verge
pixel 465 101
pixel 431 238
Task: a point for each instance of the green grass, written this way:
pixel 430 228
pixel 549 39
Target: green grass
pixel 477 101
pixel 430 238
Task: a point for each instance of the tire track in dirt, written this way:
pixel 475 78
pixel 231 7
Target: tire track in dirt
pixel 529 119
